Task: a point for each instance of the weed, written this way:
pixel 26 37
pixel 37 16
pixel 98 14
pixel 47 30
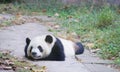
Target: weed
pixel 105 18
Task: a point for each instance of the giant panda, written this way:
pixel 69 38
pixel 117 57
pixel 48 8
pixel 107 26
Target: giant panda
pixel 49 47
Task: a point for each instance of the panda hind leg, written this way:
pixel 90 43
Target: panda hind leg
pixel 80 49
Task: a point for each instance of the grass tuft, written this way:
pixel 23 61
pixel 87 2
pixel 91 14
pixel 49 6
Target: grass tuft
pixel 106 18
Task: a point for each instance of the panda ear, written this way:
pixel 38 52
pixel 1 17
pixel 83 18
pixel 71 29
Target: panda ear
pixel 49 39
pixel 28 41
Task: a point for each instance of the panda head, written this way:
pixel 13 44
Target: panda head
pixel 39 47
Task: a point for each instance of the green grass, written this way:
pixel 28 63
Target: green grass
pixel 106 17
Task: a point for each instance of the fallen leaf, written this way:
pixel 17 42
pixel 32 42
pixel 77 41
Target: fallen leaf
pixel 35 13
pixel 56 14
pixel 28 68
pixel 11 63
pixel 6 52
pixel 14 68
pixel 18 15
pixel 7 68
pixel 69 17
pixel 95 50
pixel 44 67
pixel 56 26
pixel 90 45
pixel 44 10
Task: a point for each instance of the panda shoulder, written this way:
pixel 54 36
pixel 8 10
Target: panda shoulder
pixel 66 42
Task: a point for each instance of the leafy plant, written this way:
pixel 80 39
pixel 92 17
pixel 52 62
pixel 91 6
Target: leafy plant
pixel 105 18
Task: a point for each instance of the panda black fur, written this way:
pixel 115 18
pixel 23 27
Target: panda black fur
pixel 49 47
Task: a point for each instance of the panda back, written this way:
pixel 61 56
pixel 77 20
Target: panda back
pixel 68 47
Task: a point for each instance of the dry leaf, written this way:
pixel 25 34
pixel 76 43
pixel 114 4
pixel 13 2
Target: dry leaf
pixel 7 68
pixel 95 50
pixel 6 52
pixel 44 10
pixel 27 68
pixel 56 14
pixel 69 17
pixel 44 67
pixel 56 26
pixel 18 15
pixel 90 45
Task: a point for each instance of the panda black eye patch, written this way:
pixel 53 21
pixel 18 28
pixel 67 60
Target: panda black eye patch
pixel 40 48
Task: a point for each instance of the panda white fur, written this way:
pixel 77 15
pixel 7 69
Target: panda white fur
pixel 49 47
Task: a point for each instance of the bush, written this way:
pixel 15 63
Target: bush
pixel 105 18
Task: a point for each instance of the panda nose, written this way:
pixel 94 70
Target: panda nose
pixel 34 53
